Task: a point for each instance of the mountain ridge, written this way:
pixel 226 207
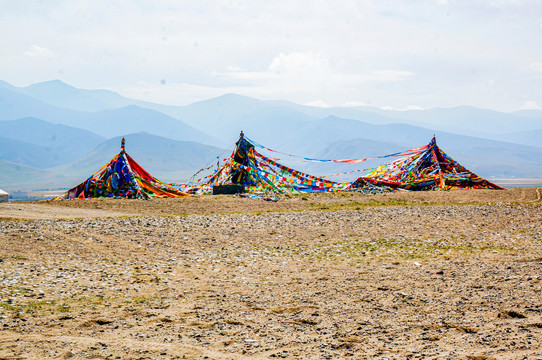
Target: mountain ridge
pixel 72 140
pixel 279 124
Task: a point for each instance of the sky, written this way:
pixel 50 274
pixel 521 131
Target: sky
pixel 391 54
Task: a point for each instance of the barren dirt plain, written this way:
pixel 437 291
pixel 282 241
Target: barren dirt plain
pixel 432 275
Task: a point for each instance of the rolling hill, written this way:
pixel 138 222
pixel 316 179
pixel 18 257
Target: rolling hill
pixel 225 116
pixel 17 177
pixel 487 158
pixel 132 118
pixel 531 138
pixel 78 130
pixel 14 105
pixel 107 123
pixel 60 94
pixel 71 143
pixel 165 159
pixel 24 153
pixel 463 120
pixel 338 138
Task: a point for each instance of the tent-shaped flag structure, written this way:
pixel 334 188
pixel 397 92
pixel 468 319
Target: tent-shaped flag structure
pixel 258 174
pixel 3 196
pixel 122 177
pixel 423 168
pixel 429 168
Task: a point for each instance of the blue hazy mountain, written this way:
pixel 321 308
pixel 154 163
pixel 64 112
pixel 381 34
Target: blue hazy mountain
pixel 60 94
pixel 102 110
pixel 16 177
pixel 24 153
pixel 531 138
pixel 463 120
pixel 132 118
pixel 468 120
pixel 225 116
pixel 6 85
pixel 366 114
pixel 487 142
pixel 487 158
pixel 336 138
pixel 231 108
pixel 533 113
pixel 107 123
pixel 15 105
pixel 167 159
pixel 67 140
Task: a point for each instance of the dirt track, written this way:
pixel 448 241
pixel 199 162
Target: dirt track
pixel 230 204
pixel 445 275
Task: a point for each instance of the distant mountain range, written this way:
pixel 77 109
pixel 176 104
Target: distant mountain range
pixel 55 135
pixel 70 143
pixel 163 157
pixel 104 122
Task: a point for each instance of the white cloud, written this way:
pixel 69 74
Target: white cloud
pixel 411 107
pixel 354 103
pixel 39 51
pixel 391 75
pixel 298 61
pixel 245 77
pixel 406 108
pixel 530 105
pixel 234 69
pixel 303 76
pixel 384 52
pixel 318 103
pixel 170 94
pixel 535 67
pixel 294 66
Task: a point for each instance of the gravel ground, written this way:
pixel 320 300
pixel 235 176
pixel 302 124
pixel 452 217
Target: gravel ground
pixel 453 275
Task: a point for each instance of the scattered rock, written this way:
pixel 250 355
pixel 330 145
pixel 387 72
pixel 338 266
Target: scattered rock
pixel 511 314
pixel 308 284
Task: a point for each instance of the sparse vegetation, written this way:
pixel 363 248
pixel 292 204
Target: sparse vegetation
pixel 444 273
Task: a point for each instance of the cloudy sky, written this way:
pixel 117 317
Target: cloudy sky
pixel 383 53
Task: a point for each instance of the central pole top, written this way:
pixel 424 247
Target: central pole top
pixel 122 144
pixel 242 135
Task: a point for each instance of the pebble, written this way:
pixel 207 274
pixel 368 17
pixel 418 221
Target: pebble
pixel 249 282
